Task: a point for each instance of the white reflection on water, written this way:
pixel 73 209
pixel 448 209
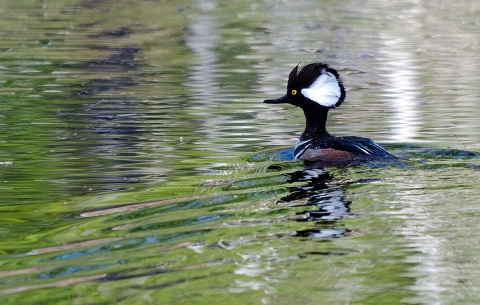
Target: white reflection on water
pixel 203 79
pixel 402 94
pixel 432 272
pixel 203 40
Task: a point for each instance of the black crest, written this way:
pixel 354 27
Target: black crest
pixel 309 74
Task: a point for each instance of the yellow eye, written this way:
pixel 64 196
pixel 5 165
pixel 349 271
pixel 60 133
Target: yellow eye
pixel 294 92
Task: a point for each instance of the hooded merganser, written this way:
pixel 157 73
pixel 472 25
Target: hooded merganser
pixel 316 89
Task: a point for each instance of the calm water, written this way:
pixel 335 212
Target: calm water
pixel 138 164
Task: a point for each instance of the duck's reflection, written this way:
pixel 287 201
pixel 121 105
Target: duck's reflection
pixel 328 201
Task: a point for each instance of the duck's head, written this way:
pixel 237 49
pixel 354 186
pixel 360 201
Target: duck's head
pixel 316 83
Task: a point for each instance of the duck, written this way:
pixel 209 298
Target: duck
pixel 316 89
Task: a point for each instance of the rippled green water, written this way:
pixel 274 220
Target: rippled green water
pixel 138 164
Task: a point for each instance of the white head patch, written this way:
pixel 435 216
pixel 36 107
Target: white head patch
pixel 325 90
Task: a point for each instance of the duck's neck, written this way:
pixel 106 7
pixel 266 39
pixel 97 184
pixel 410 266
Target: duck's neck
pixel 316 118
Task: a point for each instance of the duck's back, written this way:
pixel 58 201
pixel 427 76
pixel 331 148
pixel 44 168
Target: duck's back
pixel 340 149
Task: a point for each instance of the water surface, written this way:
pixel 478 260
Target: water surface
pixel 138 163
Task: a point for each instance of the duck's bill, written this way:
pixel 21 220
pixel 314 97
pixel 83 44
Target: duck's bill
pixel 280 100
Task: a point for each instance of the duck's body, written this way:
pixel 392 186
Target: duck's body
pixel 339 149
pixel 316 89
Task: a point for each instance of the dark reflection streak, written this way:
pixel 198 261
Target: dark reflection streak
pixel 173 283
pixel 329 200
pixel 108 124
pixel 180 281
pixel 118 276
pixel 325 253
pixel 121 276
pixel 118 32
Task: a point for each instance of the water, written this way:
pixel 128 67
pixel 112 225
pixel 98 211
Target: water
pixel 138 164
